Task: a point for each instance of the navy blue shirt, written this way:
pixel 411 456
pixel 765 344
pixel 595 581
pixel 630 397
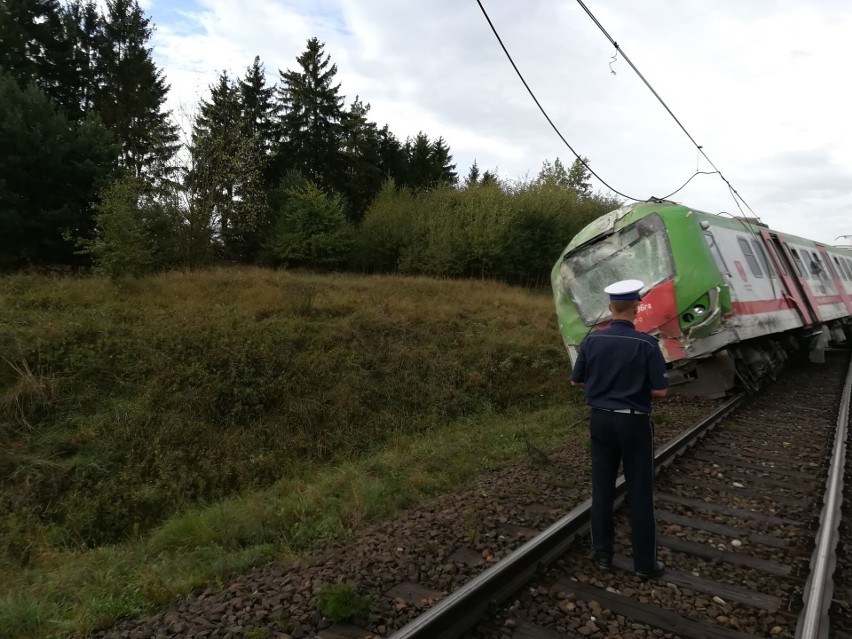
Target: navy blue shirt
pixel 619 366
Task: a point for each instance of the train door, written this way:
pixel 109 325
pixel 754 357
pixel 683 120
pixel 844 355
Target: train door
pixel 780 253
pixel 833 274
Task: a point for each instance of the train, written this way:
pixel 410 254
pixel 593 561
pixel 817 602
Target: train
pixel 729 299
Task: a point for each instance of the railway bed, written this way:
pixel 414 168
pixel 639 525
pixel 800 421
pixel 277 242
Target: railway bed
pixel 732 572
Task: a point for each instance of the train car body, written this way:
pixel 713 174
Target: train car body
pixel 728 298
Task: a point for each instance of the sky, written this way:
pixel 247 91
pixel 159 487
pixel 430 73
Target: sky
pixel 761 85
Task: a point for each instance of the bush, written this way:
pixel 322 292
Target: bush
pixel 310 229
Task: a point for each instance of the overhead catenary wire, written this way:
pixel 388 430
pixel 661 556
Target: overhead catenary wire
pixel 734 193
pixel 544 113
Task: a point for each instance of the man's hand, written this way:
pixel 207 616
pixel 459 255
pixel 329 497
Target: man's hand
pixel 578 384
pixel 659 393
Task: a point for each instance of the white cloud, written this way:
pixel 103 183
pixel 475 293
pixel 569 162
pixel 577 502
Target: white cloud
pixel 761 85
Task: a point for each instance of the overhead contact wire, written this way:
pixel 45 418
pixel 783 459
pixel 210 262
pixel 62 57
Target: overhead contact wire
pixel 619 50
pixel 543 112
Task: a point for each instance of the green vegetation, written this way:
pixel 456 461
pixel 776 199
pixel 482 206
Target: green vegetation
pixel 164 432
pixel 339 602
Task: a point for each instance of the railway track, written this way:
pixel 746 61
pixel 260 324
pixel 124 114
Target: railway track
pixel 739 527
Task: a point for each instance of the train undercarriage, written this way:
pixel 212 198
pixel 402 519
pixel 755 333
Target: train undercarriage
pixel 749 364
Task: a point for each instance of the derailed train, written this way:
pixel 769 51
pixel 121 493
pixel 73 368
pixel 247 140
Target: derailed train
pixel 728 298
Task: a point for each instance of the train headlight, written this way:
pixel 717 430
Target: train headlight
pixel 699 310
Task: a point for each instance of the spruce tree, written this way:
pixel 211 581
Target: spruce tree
pixel 84 30
pixel 133 91
pixel 215 141
pixel 311 125
pixel 34 47
pixel 259 108
pixel 472 179
pixel 50 172
pixel 362 160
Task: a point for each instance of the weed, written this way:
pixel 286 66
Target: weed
pixel 256 633
pixel 30 396
pixel 339 602
pixel 21 616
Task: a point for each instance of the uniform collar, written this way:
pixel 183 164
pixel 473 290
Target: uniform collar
pixel 621 322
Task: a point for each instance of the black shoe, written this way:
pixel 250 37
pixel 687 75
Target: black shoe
pixel 655 573
pixel 603 563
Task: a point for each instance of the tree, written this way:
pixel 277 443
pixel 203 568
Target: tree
pixel 50 171
pixel 121 246
pixel 84 30
pixel 553 174
pixel 34 47
pixel 131 96
pixel 311 229
pixel 311 125
pixel 472 179
pixel 428 163
pixel 362 159
pixel 579 178
pixel 259 110
pixel 228 170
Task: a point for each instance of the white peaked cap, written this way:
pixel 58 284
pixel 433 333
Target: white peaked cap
pixel 625 290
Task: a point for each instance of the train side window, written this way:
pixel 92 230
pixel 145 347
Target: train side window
pixel 847 268
pixel 841 267
pixel 830 266
pixel 800 268
pixel 717 254
pixel 767 265
pixel 778 261
pixel 749 257
pixel 837 268
pixel 817 269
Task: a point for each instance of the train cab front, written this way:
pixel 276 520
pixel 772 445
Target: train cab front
pixel 639 250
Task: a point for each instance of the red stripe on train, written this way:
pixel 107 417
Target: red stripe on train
pixel 771 306
pixel 761 306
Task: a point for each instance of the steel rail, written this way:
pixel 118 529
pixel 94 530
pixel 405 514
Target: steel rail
pixel 813 622
pixel 463 608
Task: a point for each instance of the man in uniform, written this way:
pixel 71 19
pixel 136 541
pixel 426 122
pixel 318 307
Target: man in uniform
pixel 621 369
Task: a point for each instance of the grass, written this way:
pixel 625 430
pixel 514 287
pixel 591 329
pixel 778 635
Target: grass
pixel 339 602
pixel 164 433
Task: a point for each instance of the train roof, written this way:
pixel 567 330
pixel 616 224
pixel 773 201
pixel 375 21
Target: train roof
pixel 626 215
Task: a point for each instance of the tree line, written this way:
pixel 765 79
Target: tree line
pixel 96 173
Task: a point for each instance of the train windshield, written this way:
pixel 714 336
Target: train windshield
pixel 640 251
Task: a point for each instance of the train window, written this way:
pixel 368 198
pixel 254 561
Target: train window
pixel 717 254
pixel 847 266
pixel 778 261
pixel 767 265
pixel 798 263
pixel 749 257
pixel 838 270
pixel 830 266
pixel 841 267
pixel 817 269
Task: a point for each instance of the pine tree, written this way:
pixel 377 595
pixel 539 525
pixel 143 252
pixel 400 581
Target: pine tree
pixel 50 172
pixel 84 30
pixel 472 179
pixel 428 163
pixel 34 47
pixel 579 178
pixel 311 125
pixel 361 154
pixel 131 97
pixel 553 174
pixel 259 109
pixel 443 163
pixel 392 158
pixel 215 141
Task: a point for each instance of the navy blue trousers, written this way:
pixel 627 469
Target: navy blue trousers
pixel 620 437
